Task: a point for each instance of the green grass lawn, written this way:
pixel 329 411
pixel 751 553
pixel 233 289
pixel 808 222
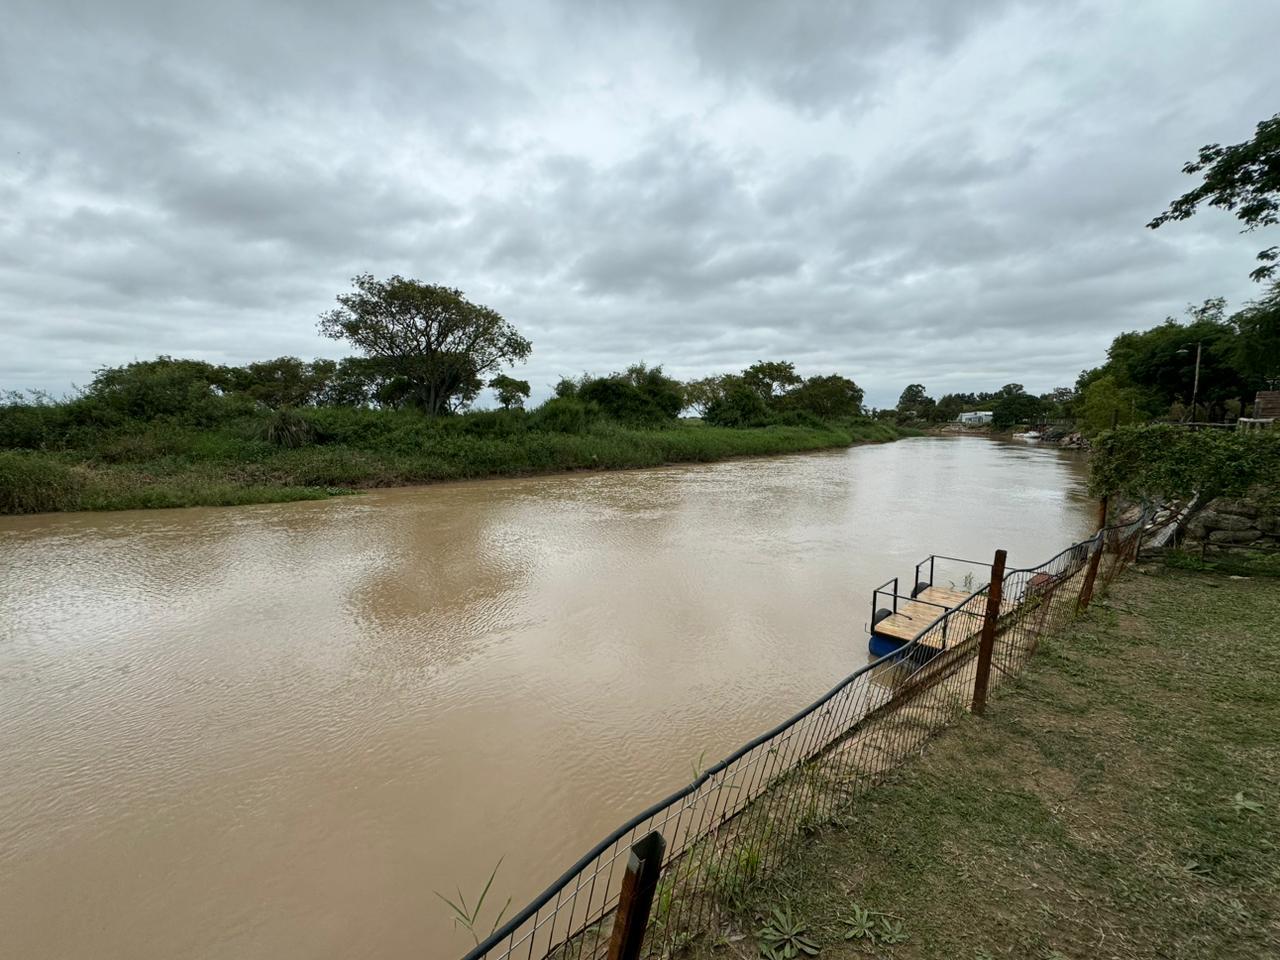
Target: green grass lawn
pixel 1121 800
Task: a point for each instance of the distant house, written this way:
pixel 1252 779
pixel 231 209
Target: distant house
pixel 975 418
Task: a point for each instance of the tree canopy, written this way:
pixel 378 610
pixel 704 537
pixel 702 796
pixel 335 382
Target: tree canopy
pixel 1243 178
pixel 435 344
pixel 1015 406
pixel 638 395
pixel 511 392
pixel 827 396
pixel 1152 373
pixel 915 402
pixel 771 378
pixel 771 391
pixel 1257 349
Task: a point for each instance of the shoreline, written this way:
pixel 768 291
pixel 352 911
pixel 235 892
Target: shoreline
pixel 351 470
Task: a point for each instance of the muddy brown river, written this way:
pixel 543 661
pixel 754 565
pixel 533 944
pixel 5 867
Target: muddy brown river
pixel 274 731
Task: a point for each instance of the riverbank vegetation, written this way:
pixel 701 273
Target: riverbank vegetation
pixel 1118 800
pixel 176 432
pixel 312 454
pixel 1162 462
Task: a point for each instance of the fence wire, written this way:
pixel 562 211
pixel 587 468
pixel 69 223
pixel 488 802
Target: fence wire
pixel 738 820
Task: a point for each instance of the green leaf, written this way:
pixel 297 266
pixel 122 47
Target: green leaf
pixel 1242 805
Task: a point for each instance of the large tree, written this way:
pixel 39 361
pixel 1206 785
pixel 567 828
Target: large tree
pixel 915 402
pixel 701 393
pixel 771 378
pixel 436 344
pixel 1013 405
pixel 511 392
pixel 1243 178
pixel 827 397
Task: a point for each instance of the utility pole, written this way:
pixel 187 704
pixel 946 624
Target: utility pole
pixel 1195 387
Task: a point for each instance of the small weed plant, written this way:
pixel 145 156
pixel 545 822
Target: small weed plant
pixel 783 937
pixel 468 917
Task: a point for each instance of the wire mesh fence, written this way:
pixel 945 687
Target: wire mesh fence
pixel 740 818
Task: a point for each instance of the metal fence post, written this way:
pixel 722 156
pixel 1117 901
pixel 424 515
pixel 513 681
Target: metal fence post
pixel 644 863
pixel 988 641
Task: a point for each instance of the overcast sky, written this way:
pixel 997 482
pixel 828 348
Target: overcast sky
pixel 943 192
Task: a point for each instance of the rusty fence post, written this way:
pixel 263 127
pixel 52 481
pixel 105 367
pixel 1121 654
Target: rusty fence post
pixel 1086 591
pixel 644 863
pixel 988 641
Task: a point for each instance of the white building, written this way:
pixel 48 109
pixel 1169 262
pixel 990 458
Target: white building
pixel 975 418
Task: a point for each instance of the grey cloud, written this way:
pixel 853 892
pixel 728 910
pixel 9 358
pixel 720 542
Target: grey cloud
pixel 823 54
pixel 928 191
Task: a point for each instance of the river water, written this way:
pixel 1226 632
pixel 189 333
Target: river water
pixel 274 731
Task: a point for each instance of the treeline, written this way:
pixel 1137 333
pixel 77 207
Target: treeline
pixel 1009 406
pixel 200 394
pixel 426 348
pixel 179 432
pixel 1149 375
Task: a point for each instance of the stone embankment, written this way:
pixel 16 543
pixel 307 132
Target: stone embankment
pixel 1247 521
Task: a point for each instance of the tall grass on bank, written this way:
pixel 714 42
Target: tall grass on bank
pixel 34 483
pixel 312 454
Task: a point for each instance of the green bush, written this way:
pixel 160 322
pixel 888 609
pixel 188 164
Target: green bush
pixel 1165 461
pixel 800 418
pixel 34 483
pixel 642 396
pixel 287 428
pixel 336 467
pixel 494 423
pixel 137 443
pixel 399 431
pixel 33 426
pixel 567 414
pixel 740 406
pixel 163 387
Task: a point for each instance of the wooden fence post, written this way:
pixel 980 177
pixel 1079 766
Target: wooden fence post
pixel 1086 591
pixel 988 641
pixel 644 864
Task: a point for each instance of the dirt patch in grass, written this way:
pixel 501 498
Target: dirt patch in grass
pixel 1121 800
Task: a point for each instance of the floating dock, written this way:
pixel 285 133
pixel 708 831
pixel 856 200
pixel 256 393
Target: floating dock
pixel 898 620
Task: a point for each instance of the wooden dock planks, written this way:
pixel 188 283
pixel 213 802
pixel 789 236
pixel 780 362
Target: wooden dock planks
pixel 913 617
pixel 946 596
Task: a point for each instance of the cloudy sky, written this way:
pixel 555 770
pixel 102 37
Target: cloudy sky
pixel 952 193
